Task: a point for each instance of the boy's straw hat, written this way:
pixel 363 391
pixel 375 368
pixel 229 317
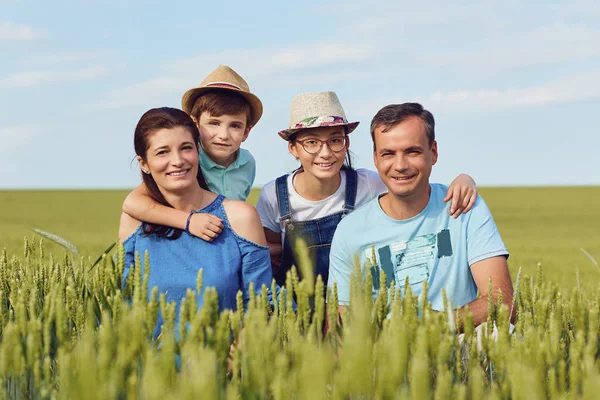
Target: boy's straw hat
pixel 224 78
pixel 314 110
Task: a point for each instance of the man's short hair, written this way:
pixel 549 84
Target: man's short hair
pixel 393 114
pixel 221 102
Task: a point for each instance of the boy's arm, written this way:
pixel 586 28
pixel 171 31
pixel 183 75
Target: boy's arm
pixel 463 193
pixel 139 205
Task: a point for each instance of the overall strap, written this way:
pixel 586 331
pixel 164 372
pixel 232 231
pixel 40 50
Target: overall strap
pixel 283 200
pixel 351 189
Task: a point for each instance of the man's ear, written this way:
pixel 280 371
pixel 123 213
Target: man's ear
pixel 434 150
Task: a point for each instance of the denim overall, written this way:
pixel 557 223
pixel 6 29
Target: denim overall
pixel 318 233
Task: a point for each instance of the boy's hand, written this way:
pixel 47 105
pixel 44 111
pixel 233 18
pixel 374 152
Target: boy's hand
pixel 463 193
pixel 205 226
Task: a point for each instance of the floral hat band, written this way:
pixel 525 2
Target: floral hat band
pixel 312 122
pixel 316 110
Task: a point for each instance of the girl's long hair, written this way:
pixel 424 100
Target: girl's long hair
pixel 152 121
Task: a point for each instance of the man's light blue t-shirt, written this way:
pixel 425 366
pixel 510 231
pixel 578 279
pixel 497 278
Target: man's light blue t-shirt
pixel 233 182
pixel 431 246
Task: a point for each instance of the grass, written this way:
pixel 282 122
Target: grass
pixel 538 225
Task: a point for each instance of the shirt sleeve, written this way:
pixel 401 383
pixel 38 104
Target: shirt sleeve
pixel 483 239
pixel 341 267
pixel 252 163
pixel 256 267
pixel 267 208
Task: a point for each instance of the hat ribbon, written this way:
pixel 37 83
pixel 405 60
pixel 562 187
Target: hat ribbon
pixel 223 85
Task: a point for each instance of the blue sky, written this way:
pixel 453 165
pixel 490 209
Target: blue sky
pixel 514 86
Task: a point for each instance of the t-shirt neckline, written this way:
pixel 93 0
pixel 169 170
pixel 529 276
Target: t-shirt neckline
pixel 337 193
pixel 408 220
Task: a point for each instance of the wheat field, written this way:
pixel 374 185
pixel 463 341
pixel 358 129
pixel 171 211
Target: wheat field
pixel 539 225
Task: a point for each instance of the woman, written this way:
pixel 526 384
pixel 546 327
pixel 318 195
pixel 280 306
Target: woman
pixel 310 202
pixel 166 143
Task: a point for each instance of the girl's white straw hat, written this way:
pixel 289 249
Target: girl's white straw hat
pixel 315 110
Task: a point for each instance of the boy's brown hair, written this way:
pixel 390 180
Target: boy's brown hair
pixel 221 102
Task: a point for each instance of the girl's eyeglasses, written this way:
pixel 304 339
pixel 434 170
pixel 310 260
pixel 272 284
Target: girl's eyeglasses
pixel 313 146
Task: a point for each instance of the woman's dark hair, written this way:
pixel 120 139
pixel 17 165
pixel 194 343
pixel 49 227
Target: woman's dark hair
pixel 347 162
pixel 152 121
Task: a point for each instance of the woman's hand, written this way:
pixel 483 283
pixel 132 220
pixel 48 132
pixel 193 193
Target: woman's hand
pixel 205 226
pixel 463 193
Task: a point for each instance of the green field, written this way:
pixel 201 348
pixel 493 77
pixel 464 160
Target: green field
pixel 70 330
pixel 539 225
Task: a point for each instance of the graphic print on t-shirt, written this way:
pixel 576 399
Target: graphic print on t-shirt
pixel 412 259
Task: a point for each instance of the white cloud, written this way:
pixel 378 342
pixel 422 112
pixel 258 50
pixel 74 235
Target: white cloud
pixel 47 77
pixel 148 93
pixel 64 57
pixel 480 38
pixel 12 31
pixel 265 68
pixel 577 87
pixel 258 62
pixel 13 136
pixel 569 89
pixel 551 45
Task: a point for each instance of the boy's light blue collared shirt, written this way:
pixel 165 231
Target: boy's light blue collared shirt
pixel 233 182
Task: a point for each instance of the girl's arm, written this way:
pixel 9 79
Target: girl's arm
pixel 463 193
pixel 142 207
pixel 275 246
pixel 268 212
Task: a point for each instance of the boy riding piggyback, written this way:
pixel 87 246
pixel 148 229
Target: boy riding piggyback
pixel 225 111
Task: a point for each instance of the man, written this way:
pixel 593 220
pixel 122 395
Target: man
pixel 408 232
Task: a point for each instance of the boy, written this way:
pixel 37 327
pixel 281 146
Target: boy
pixel 225 111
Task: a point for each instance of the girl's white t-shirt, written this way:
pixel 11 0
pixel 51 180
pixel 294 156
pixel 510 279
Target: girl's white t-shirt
pixel 368 184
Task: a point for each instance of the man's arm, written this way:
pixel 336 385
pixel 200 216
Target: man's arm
pixel 496 269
